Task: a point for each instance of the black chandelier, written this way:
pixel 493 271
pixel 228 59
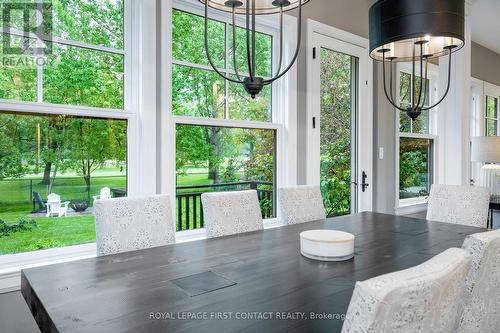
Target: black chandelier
pixel 416 31
pixel 251 8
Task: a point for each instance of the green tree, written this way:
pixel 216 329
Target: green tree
pixel 335 140
pixel 93 142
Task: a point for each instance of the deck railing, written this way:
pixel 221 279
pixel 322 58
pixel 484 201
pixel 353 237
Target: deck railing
pixel 189 210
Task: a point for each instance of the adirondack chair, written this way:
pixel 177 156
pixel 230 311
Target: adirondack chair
pixel 37 199
pixel 105 193
pixel 55 206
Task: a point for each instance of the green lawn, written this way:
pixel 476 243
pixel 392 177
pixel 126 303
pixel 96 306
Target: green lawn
pixel 57 232
pixel 16 193
pixel 50 232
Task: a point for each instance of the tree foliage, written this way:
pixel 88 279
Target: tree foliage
pixel 72 76
pixel 335 144
pixel 229 154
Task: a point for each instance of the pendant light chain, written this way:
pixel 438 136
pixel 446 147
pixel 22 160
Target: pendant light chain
pixel 295 56
pixel 249 59
pixel 416 108
pixel 253 37
pixel 234 46
pixel 254 84
pixel 208 52
pixel 278 68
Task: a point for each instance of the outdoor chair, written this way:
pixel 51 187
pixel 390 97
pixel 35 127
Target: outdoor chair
pixel 37 199
pixel 55 206
pixel 104 194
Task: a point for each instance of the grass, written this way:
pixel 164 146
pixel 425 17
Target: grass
pixel 18 192
pixel 58 232
pixel 15 203
pixel 50 232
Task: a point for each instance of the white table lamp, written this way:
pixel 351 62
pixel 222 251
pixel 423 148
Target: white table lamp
pixel 486 149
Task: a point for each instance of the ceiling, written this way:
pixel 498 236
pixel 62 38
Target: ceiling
pixel 485 23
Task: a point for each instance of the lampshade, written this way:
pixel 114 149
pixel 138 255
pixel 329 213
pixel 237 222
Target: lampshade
pixel 396 26
pixel 261 6
pixel 485 149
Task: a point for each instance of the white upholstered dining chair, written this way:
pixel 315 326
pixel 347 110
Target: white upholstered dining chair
pixel 229 213
pixel 127 224
pixel 301 204
pixel 482 294
pixel 467 205
pixel 424 298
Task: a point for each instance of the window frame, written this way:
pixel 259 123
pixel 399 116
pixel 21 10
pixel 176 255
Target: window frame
pixel 81 45
pixel 132 112
pixel 493 91
pixel 283 104
pixel 433 76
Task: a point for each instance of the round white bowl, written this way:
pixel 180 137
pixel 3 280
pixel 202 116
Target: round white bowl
pixel 327 245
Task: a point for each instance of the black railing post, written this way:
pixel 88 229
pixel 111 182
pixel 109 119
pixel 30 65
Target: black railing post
pixel 31 194
pixel 189 213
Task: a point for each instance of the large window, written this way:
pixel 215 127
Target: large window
pixel 64 145
pixel 415 167
pixel 491 118
pixel 416 142
pixel 81 64
pixel 71 157
pixel 200 92
pixel 231 159
pixel 213 151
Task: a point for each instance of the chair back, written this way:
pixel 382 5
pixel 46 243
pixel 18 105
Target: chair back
pixel 424 298
pixel 53 203
pixel 482 294
pixel 38 199
pixel 300 204
pixel 53 198
pixel 228 213
pixel 105 193
pixel 127 224
pixel 467 205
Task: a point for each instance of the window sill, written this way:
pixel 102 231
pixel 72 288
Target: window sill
pixel 12 264
pixel 411 206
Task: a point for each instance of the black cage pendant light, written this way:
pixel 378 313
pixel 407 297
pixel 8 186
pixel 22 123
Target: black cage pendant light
pixel 250 9
pixel 416 31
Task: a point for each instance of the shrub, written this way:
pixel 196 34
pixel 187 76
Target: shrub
pixel 21 225
pixel 45 244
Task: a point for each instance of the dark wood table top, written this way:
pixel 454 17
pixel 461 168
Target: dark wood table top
pixel 271 287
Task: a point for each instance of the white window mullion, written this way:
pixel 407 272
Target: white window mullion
pixel 217 122
pixel 226 85
pixel 58 40
pixel 39 79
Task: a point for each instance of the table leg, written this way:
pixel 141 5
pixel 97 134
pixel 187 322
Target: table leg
pixel 490 219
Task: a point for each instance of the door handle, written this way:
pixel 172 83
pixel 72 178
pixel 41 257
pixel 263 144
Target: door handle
pixel 364 184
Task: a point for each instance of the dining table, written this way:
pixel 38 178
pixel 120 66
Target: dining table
pixel 250 282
